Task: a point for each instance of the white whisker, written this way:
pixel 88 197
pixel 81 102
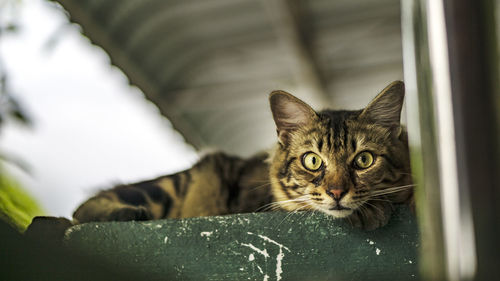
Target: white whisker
pixel 290 214
pixel 278 204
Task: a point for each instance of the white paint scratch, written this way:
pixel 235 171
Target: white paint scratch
pixel 265 238
pixel 279 258
pixel 158 226
pixel 260 269
pixel 251 257
pixel 165 240
pixel 266 277
pixel 410 261
pixel 262 252
pixel 377 251
pixel 206 233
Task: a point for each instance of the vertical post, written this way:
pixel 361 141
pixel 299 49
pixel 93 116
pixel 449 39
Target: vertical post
pixel 451 72
pixel 422 136
pixel 473 64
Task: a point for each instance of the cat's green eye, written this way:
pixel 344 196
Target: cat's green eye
pixel 363 160
pixel 312 161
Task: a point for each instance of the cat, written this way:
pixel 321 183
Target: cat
pixel 351 164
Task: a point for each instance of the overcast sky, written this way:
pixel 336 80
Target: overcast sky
pixel 91 129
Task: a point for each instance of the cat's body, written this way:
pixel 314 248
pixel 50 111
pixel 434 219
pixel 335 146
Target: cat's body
pixel 218 184
pixel 351 164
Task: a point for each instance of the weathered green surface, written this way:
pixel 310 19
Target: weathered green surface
pixel 264 246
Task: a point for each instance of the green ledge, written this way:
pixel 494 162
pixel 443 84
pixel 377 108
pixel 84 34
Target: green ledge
pixel 262 246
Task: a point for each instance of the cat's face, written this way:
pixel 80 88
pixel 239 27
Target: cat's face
pixel 337 161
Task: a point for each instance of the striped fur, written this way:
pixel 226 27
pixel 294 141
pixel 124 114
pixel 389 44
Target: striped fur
pixel 220 184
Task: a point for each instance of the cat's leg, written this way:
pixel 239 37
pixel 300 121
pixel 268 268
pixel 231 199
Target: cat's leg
pixel 107 206
pixel 140 201
pixel 372 215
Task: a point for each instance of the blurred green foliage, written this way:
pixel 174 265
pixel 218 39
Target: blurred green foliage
pixel 17 208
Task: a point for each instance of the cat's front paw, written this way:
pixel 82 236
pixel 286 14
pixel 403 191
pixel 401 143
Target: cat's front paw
pixel 130 214
pixel 372 217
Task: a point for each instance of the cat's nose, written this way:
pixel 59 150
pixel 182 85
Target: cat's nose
pixel 336 193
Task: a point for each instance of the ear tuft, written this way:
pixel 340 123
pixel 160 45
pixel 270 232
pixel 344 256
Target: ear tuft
pixel 289 113
pixel 385 108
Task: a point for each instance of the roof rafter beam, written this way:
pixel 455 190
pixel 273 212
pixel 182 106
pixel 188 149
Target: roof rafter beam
pixel 286 17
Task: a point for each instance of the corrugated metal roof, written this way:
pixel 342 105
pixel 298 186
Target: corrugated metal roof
pixel 210 65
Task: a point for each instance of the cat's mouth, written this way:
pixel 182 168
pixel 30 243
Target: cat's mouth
pixel 339 207
pixel 338 211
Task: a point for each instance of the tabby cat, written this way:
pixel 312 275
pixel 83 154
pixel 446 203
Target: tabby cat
pixel 347 164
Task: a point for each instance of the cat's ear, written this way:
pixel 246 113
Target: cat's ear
pixel 289 113
pixel 385 108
